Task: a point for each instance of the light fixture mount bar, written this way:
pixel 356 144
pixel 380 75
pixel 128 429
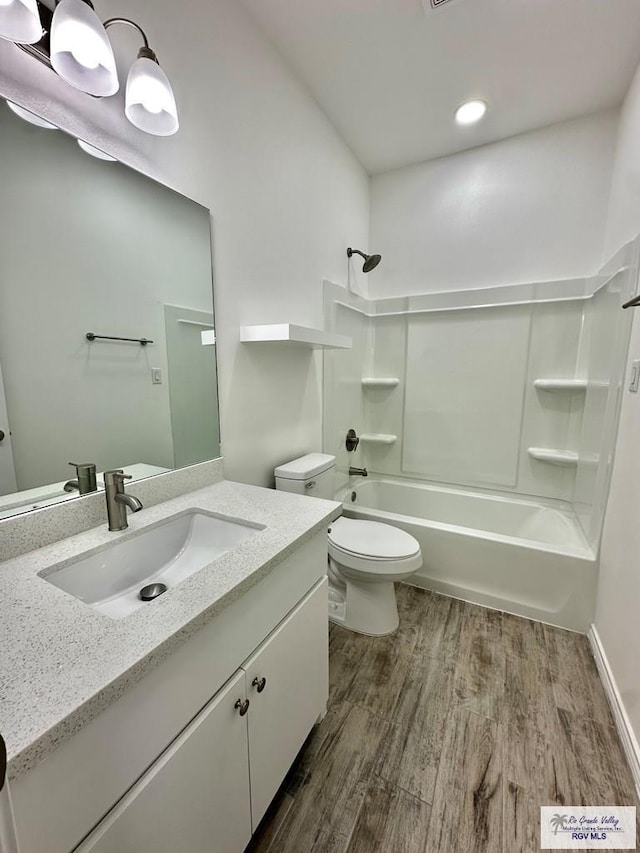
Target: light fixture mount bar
pixel 41 50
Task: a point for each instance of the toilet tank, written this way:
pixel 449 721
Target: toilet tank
pixel 309 475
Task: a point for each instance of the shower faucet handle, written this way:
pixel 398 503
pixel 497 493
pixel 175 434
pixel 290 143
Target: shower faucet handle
pixel 352 441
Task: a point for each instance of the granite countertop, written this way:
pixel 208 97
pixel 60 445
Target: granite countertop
pixel 62 662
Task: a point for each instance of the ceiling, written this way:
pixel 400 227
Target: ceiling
pixel 389 75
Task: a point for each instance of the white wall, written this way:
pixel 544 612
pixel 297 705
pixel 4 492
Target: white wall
pixel 529 208
pixel 617 619
pixel 286 196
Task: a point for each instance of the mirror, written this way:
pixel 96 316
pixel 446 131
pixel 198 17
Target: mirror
pixel 89 246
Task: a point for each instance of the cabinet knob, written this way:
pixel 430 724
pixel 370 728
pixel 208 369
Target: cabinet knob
pixel 243 706
pixel 259 683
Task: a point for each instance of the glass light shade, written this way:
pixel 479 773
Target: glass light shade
pixel 81 52
pixel 471 112
pixel 20 21
pixel 98 153
pixel 32 118
pixel 150 104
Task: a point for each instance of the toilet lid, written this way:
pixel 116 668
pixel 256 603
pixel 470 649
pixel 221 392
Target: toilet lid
pixel 372 539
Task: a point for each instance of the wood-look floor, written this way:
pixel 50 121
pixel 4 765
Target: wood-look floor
pixel 447 737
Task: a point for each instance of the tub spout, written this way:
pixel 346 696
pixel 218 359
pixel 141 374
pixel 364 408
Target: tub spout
pixel 360 472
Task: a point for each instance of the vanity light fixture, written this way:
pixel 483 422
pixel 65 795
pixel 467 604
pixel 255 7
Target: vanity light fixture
pixel 32 118
pixel 98 153
pixel 73 41
pixel 20 21
pixel 80 49
pixel 471 112
pixel 150 104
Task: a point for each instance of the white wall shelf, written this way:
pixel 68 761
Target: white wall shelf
pixel 288 332
pixel 373 382
pixel 569 385
pixel 378 438
pixel 565 458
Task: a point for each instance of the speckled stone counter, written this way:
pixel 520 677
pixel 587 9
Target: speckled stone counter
pixel 62 662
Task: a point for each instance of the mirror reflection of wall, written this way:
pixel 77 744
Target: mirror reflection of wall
pixel 92 246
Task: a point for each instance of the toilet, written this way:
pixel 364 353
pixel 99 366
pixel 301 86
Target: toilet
pixel 366 558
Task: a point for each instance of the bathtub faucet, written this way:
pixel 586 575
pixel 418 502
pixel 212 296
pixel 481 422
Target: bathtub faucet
pixel 360 472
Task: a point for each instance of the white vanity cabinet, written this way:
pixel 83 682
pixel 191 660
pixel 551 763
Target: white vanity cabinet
pixel 211 787
pixel 173 765
pixel 195 797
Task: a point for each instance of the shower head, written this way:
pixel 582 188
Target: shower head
pixel 370 261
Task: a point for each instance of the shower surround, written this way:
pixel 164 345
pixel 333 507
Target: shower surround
pixel 488 421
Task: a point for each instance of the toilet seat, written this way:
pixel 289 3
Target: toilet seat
pixel 373 548
pixel 372 539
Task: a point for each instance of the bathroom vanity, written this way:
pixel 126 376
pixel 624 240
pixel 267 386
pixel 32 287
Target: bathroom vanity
pixel 161 725
pixel 172 727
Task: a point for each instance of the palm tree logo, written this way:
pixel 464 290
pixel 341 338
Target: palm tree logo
pixel 558 821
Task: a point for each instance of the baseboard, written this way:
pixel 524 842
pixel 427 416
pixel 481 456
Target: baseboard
pixel 623 724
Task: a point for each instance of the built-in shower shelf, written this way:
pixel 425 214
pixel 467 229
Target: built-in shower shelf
pixel 378 438
pixel 373 382
pixel 288 332
pixel 565 458
pixel 561 384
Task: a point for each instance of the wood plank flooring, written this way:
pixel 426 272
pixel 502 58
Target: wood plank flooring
pixel 447 737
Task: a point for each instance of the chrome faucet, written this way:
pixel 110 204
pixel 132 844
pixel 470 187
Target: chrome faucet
pixel 360 472
pixel 118 500
pixel 85 481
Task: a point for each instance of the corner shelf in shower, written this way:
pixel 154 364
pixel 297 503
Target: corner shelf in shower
pixel 290 333
pixel 373 382
pixel 378 438
pixel 565 458
pixel 569 385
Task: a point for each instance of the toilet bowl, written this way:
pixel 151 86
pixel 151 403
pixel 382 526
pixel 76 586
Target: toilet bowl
pixel 366 558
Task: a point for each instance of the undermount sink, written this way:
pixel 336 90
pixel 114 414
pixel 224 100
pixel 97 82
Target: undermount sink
pixel 111 579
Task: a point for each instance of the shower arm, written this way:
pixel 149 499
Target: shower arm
pixel 357 252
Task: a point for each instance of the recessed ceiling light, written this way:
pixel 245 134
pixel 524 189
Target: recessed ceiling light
pixel 470 112
pixel 32 118
pixel 95 152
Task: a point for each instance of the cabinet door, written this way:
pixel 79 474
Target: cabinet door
pixel 293 661
pixel 195 797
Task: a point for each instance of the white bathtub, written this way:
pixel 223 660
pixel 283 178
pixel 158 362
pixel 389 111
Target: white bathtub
pixel 513 554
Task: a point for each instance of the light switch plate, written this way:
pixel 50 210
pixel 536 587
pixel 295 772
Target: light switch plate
pixel 156 376
pixel 634 384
